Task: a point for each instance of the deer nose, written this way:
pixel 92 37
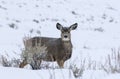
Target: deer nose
pixel 65 36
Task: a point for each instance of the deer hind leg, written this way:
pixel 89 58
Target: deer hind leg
pixel 23 63
pixel 35 64
pixel 60 63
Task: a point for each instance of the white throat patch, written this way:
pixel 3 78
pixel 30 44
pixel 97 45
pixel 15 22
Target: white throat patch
pixel 65 39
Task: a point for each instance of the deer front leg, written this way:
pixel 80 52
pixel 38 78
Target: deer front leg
pixel 60 63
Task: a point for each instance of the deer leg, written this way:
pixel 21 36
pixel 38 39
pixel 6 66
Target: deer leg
pixel 22 64
pixel 60 63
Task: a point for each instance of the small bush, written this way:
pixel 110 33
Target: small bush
pixel 33 54
pixel 78 71
pixel 112 64
pixel 9 63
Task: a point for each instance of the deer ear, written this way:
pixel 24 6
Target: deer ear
pixel 59 26
pixel 74 26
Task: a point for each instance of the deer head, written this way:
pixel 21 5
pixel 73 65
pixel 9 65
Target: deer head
pixel 65 31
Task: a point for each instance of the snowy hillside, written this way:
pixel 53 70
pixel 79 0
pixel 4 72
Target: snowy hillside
pixel 96 37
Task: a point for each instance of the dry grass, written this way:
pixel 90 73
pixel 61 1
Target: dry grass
pixel 9 63
pixel 112 64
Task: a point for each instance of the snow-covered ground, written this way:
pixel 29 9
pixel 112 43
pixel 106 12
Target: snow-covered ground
pixel 14 73
pixel 97 33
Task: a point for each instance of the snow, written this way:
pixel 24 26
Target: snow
pixel 113 76
pixel 91 74
pixel 98 74
pixel 97 33
pixel 14 73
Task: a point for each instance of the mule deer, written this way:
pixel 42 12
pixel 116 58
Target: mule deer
pixel 53 49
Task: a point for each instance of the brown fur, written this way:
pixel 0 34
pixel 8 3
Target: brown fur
pixel 57 49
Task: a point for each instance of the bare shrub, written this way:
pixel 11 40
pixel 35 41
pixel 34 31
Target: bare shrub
pixel 100 29
pixel 84 64
pixel 33 55
pixel 9 63
pixel 91 64
pixel 5 62
pixel 78 71
pixel 112 64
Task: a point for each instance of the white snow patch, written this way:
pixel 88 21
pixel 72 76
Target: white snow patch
pixel 15 73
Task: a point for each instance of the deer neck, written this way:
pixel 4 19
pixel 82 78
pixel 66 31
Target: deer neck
pixel 67 44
